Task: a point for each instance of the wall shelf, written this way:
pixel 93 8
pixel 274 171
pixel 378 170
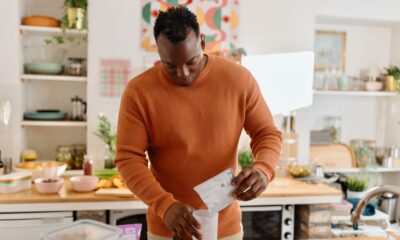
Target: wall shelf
pixel 55 78
pixel 50 30
pixel 53 124
pixel 358 170
pixel 356 93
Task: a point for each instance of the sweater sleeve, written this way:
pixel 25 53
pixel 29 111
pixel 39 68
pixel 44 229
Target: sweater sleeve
pixel 131 161
pixel 266 139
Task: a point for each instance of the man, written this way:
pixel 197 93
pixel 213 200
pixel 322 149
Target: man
pixel 188 113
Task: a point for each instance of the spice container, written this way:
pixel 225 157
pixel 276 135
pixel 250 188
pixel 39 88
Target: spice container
pixel 64 155
pixel 76 67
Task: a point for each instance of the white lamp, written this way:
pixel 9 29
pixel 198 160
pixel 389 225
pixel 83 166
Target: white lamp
pixel 285 80
pixel 286 83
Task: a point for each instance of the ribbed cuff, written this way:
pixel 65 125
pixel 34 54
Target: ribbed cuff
pixel 164 205
pixel 266 169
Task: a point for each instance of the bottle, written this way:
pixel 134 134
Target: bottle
pixel 1 165
pixel 87 165
pixel 290 138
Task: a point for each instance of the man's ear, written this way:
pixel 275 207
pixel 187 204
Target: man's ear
pixel 203 41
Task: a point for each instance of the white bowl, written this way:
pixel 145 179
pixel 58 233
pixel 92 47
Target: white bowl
pixel 48 185
pixel 84 183
pixel 44 169
pixel 373 86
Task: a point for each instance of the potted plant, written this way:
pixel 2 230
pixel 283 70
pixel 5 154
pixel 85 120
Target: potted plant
pixel 356 186
pixel 392 78
pixel 245 158
pixel 106 133
pixel 75 14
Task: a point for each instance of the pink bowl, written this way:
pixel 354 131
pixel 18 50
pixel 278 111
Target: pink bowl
pixel 84 183
pixel 48 185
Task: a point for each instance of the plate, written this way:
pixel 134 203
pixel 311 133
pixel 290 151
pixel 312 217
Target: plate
pixel 44 68
pixel 45 115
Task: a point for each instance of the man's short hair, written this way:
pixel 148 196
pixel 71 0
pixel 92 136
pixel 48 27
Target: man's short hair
pixel 175 24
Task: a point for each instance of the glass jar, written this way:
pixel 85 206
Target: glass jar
pixel 76 67
pixel 64 155
pixel 364 152
pixel 79 154
pixel 333 124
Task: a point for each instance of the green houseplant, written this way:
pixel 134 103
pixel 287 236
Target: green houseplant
pixel 74 18
pixel 392 78
pixel 245 158
pixel 106 133
pixel 356 186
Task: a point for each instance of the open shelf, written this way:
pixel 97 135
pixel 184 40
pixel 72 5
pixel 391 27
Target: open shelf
pixel 56 78
pixel 357 170
pixel 53 124
pixel 356 93
pixel 35 29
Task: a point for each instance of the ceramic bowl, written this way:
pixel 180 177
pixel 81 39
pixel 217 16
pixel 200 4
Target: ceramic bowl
pixel 42 169
pixel 84 183
pixel 373 86
pixel 48 185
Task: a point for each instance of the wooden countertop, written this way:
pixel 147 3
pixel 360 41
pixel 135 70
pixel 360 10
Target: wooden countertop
pixel 280 187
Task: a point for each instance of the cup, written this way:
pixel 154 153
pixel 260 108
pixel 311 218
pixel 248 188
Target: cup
pixel 208 223
pixel 7 165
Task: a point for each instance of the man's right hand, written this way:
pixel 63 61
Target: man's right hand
pixel 180 221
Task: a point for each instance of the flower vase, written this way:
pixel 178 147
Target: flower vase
pixel 109 157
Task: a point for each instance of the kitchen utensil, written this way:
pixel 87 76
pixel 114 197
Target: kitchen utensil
pixel 393 156
pixel 48 185
pixel 77 108
pixel 15 182
pixel 388 204
pixel 44 68
pixel 44 59
pixel 208 222
pixel 45 115
pixel 114 192
pixel 84 183
pixel 41 21
pixel 332 156
pixel 76 67
pixel 83 229
pixel 39 169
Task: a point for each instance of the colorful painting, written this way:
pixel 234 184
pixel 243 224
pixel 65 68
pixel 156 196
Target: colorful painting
pixel 115 74
pixel 330 50
pixel 218 20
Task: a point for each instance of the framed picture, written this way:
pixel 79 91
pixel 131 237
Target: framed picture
pixel 330 50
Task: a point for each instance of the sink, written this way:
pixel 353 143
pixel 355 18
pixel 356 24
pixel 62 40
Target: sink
pixel 366 228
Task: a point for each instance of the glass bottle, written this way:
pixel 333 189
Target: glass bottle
pixel 87 165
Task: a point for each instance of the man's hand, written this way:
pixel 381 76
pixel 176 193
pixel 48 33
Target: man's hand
pixel 180 221
pixel 250 183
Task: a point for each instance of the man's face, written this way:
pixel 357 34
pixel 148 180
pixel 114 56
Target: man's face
pixel 184 60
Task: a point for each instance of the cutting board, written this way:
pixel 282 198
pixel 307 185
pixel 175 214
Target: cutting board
pixel 333 156
pixel 114 192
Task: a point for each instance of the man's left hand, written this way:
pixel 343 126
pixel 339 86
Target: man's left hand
pixel 250 183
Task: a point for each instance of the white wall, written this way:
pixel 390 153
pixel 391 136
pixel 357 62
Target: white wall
pixel 114 36
pixel 373 52
pixel 10 87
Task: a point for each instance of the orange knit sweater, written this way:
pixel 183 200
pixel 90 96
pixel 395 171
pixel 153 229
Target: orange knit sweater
pixel 191 134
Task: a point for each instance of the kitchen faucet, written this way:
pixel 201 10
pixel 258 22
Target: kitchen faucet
pixel 375 191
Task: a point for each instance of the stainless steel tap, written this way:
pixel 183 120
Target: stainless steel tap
pixel 375 191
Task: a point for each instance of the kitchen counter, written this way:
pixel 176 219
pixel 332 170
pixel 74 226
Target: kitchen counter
pixel 281 191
